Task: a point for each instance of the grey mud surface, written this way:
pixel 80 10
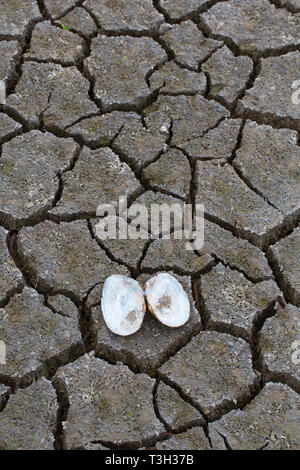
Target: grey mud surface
pixel 161 101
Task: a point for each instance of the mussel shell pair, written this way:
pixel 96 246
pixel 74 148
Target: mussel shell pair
pixel 123 302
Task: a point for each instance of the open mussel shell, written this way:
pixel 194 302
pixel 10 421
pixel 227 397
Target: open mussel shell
pixel 123 305
pixel 167 300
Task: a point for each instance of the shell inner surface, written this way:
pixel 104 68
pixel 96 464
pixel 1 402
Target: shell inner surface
pixel 123 305
pixel 167 300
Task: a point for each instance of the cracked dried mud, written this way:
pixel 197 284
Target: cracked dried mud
pixel 164 102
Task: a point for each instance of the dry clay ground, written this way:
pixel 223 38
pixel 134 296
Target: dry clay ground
pixel 162 101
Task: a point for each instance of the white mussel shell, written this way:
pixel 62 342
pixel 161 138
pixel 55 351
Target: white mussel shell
pixel 167 300
pixel 123 305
